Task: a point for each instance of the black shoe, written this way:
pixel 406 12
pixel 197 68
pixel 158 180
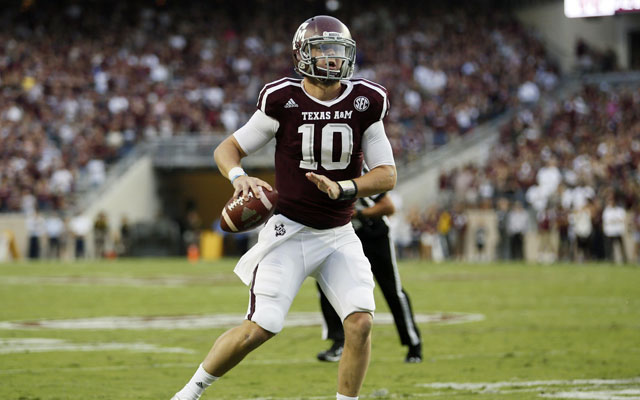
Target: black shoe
pixel 333 354
pixel 414 355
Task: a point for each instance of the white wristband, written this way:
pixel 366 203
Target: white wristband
pixel 235 172
pixel 348 190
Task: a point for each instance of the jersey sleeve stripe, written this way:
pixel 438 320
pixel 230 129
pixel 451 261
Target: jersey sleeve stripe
pixel 370 83
pixel 379 89
pixel 263 101
pixel 271 85
pixel 384 107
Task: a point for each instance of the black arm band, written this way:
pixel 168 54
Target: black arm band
pixel 348 190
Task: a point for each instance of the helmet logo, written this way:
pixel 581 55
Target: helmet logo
pixel 300 33
pixel 320 31
pixel 361 103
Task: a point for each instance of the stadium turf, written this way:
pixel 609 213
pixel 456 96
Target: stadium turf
pixel 558 331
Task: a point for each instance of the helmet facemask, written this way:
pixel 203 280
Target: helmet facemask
pixel 328 57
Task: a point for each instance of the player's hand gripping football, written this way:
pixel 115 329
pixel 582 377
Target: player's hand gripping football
pixel 325 184
pixel 243 184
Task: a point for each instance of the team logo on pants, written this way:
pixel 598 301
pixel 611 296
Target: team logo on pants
pixel 280 231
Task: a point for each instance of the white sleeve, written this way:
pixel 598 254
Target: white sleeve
pixel 256 132
pixel 376 147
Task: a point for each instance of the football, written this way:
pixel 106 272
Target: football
pixel 240 215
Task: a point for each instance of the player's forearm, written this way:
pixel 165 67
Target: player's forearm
pixel 378 180
pixel 228 155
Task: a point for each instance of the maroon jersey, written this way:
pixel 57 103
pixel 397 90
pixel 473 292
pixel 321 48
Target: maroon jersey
pixel 323 137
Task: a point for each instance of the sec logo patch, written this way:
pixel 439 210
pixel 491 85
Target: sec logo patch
pixel 361 103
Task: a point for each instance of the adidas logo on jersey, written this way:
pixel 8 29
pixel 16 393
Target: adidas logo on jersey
pixel 290 104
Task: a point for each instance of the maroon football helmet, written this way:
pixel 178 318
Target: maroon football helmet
pixel 324 38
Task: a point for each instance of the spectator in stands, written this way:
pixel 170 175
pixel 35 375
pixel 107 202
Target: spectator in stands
pixel 598 247
pixel 96 171
pixel 192 228
pixel 583 56
pixel 517 227
pixel 590 59
pixel 480 237
pixel 614 223
pixel 564 239
pixel 61 179
pixel 503 250
pixel 54 226
pixel 458 231
pixel 35 232
pixel 546 219
pixel 582 227
pixel 29 202
pixel 431 246
pixel 549 177
pixel 528 93
pixel 81 91
pixel 124 238
pixel 80 226
pixel 5 192
pixel 635 232
pixel 415 219
pixel 444 231
pixel 399 228
pixel 100 234
pixel 584 146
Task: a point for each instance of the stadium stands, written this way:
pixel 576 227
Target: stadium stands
pixel 562 157
pixel 80 86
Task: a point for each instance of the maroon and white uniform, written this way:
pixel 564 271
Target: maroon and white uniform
pixel 311 235
pixel 332 138
pixel 319 136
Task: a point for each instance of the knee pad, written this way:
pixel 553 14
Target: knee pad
pixel 268 318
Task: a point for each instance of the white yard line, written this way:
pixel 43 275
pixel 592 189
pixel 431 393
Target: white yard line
pixel 625 394
pixel 118 280
pixel 16 371
pixel 514 384
pixel 213 321
pixel 583 389
pixel 46 345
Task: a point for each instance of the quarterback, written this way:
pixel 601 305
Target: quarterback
pixel 326 125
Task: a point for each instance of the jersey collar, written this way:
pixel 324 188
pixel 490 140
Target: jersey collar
pixel 338 99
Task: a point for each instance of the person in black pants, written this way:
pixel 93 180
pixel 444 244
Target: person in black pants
pixel 372 227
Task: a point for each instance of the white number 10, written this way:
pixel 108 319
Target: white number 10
pixel 326 146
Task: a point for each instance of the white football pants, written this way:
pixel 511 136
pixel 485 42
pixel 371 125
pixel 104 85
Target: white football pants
pixel 334 257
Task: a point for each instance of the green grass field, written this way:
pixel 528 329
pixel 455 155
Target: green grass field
pixel 563 331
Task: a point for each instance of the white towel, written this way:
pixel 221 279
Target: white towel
pixel 275 232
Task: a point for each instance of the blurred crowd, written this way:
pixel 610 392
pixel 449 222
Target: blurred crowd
pixel 60 236
pixel 82 83
pixel 568 168
pixel 590 59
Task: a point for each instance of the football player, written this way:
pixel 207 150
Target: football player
pixel 325 125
